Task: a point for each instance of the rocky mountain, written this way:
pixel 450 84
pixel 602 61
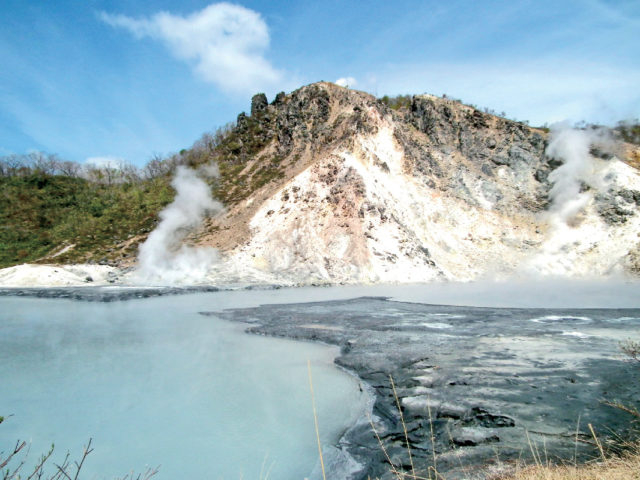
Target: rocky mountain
pixel 328 184
pixel 332 185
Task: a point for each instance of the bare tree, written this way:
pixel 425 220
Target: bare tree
pixel 130 173
pixel 4 167
pixel 37 162
pixel 44 162
pixel 11 467
pixel 111 175
pixel 69 169
pixel 93 174
pixel 156 167
pixel 16 165
pixel 223 132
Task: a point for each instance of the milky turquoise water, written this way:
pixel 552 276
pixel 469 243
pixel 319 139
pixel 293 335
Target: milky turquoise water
pixel 154 383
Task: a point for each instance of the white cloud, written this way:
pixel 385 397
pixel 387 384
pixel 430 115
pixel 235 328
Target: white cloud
pixel 224 43
pixel 105 162
pixel 346 82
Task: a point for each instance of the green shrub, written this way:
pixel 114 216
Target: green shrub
pixel 398 102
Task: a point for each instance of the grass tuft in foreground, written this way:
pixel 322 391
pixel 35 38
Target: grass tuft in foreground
pixel 625 467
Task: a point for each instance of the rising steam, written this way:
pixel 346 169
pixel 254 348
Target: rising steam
pixel 163 258
pixel 572 148
pixel 574 184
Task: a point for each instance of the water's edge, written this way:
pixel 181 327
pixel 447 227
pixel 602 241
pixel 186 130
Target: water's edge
pixel 358 453
pixel 336 458
pixel 489 410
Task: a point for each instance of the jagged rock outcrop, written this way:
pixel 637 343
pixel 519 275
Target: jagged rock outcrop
pixel 331 185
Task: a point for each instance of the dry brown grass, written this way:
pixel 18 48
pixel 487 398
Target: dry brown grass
pixel 632 157
pixel 607 467
pixel 626 467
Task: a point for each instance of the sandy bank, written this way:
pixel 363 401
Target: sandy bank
pixel 29 275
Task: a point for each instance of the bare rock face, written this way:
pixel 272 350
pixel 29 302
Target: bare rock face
pixel 632 260
pixel 258 104
pixel 334 186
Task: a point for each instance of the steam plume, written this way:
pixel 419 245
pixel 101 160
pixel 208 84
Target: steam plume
pixel 572 147
pixel 163 258
pixel 567 195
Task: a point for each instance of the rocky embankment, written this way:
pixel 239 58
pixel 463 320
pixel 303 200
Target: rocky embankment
pixel 478 387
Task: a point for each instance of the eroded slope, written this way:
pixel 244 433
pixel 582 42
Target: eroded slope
pixel 343 189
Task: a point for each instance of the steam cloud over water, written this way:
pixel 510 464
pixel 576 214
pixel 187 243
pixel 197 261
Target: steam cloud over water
pixel 163 258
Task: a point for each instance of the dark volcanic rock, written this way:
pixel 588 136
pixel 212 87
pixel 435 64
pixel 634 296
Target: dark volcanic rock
pixel 617 207
pixel 259 104
pixel 471 437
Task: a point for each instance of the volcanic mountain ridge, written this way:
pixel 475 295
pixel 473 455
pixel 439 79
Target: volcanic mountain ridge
pixel 330 185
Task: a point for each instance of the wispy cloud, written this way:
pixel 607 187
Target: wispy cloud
pixel 224 43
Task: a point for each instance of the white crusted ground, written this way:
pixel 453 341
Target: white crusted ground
pixel 29 275
pixel 587 246
pixel 359 215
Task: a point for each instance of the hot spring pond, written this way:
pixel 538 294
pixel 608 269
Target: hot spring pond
pixel 174 381
pixel 154 383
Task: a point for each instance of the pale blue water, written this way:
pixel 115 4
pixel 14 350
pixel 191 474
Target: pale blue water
pixel 155 383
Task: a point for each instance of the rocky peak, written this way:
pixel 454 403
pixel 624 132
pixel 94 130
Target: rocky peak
pixel 258 104
pixel 331 184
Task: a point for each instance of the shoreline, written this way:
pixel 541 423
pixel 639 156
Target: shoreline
pixel 110 283
pixel 479 405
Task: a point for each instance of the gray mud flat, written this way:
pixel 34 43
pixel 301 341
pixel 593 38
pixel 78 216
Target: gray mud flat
pixel 118 293
pixel 101 293
pixel 491 384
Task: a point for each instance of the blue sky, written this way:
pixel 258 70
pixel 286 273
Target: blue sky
pixel 97 79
